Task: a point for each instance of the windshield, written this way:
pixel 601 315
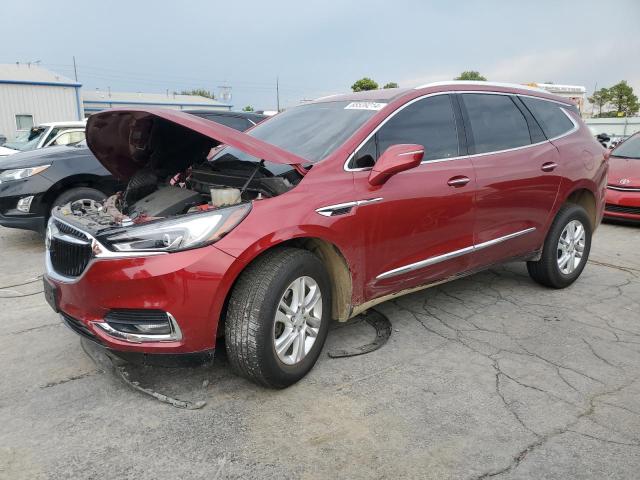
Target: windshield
pixel 311 131
pixel 628 149
pixel 27 140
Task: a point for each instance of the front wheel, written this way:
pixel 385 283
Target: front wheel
pixel 566 249
pixel 78 193
pixel 278 317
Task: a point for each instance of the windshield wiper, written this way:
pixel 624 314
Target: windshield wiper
pixel 625 156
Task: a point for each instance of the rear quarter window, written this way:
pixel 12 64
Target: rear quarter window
pixel 553 121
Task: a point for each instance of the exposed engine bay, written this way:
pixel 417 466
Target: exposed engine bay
pixel 171 170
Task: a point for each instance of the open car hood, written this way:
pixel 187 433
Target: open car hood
pixel 167 141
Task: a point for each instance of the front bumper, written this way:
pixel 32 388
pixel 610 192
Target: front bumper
pixel 191 286
pixel 23 221
pixel 10 195
pixel 622 205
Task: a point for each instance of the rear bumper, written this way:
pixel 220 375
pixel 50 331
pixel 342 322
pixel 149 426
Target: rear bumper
pixel 191 286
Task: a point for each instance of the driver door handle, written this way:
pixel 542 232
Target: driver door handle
pixel 458 181
pixel 548 167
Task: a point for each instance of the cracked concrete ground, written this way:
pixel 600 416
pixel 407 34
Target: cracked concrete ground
pixel 489 376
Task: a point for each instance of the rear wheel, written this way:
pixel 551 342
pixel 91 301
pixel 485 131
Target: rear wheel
pixel 566 249
pixel 278 317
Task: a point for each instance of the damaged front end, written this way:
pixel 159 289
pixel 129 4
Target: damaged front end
pixel 189 181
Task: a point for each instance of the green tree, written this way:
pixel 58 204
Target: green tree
pixel 471 75
pixel 198 91
pixel 600 98
pixel 364 83
pixel 623 99
pixel 248 108
pixel 391 85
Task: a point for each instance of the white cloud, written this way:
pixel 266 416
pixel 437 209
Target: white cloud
pixel 605 64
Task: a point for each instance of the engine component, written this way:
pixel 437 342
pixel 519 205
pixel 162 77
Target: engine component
pixel 204 177
pixel 141 184
pixel 166 201
pixel 223 197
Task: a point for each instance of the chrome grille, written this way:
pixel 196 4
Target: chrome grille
pixel 69 250
pixel 69 230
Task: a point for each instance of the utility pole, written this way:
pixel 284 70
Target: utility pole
pixel 75 69
pixel 278 94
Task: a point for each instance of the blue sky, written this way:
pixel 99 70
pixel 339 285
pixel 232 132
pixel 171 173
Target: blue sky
pixel 321 47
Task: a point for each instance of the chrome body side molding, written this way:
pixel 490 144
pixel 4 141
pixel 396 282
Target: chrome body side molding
pixel 454 254
pixel 624 189
pixel 331 210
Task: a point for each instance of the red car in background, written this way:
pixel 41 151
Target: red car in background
pixel 317 214
pixel 623 189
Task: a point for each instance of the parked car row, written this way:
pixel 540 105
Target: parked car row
pixel 34 181
pixel 318 213
pixel 44 135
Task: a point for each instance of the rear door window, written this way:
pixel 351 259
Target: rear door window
pixel 496 122
pixel 428 122
pixel 549 115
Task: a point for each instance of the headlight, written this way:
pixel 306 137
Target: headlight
pixel 19 173
pixel 188 231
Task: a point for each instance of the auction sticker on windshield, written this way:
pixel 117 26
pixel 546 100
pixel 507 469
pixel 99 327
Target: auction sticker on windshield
pixel 365 106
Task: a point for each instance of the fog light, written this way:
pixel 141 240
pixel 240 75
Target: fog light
pixel 24 204
pixel 141 325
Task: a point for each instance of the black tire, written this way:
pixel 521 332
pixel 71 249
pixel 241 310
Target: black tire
pixel 249 327
pixel 546 271
pixel 78 193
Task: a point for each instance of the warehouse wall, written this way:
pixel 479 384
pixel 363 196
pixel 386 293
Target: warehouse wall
pixel 45 103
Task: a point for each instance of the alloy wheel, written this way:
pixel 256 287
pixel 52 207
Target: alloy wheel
pixel 571 247
pixel 297 320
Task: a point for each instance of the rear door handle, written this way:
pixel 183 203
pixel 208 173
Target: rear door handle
pixel 458 181
pixel 548 167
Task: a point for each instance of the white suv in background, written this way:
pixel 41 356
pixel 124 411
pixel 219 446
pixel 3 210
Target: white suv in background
pixel 43 135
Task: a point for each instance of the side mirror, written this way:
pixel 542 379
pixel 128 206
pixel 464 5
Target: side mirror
pixel 395 159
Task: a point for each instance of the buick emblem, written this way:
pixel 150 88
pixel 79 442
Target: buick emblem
pixel 625 181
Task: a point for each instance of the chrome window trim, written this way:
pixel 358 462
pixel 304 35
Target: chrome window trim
pixel 575 128
pixel 450 255
pixel 380 125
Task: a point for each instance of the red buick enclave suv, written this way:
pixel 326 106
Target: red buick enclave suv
pixel 317 214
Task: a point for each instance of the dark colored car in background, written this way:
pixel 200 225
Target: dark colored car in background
pixel 623 188
pixel 33 182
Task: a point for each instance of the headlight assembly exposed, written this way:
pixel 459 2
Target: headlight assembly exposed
pixel 20 173
pixel 188 231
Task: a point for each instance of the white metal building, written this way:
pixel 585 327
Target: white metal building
pixel 31 95
pixel 95 101
pixel 614 127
